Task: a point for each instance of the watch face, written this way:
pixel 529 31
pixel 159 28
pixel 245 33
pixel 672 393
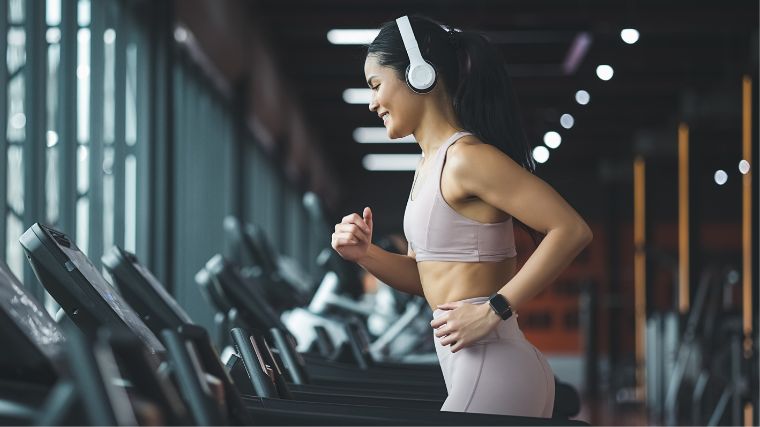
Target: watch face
pixel 501 306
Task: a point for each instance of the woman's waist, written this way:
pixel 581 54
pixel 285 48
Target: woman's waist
pixel 449 281
pixel 474 300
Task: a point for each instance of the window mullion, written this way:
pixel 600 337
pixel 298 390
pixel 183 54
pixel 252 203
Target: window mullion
pixel 67 117
pixel 3 128
pixel 95 192
pixel 145 173
pixel 161 145
pixel 119 127
pixel 35 104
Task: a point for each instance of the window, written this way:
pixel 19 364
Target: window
pixel 15 134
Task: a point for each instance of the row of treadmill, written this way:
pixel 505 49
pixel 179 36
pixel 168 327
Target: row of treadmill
pixel 125 353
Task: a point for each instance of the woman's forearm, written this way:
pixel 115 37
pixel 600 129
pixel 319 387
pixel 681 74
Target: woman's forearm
pixel 551 257
pixel 397 271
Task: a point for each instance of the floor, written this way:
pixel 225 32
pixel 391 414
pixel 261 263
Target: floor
pixel 603 411
pixel 606 407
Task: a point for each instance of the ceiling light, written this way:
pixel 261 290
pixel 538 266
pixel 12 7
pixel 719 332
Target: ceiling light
pixel 552 139
pixel 721 177
pixel 352 36
pixel 582 97
pixel 357 96
pixel 378 135
pixel 391 162
pixel 744 167
pixel 567 121
pixel 541 154
pixel 604 72
pixel 629 35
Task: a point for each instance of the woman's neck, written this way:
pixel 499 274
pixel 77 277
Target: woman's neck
pixel 433 131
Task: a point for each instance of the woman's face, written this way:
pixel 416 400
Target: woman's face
pixel 399 108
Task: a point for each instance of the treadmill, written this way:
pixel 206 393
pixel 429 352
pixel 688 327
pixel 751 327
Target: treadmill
pixel 91 303
pixel 115 380
pixel 143 291
pixel 46 378
pixel 63 269
pixel 224 278
pixel 283 290
pixel 79 288
pixel 33 358
pixel 34 344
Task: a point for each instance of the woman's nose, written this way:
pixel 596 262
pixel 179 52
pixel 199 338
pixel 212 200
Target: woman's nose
pixel 372 103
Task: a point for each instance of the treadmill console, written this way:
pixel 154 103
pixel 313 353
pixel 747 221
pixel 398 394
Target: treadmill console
pixel 144 293
pixel 33 342
pixel 81 290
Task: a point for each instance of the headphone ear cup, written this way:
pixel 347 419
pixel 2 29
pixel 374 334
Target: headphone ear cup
pixel 422 78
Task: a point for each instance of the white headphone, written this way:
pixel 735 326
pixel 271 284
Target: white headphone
pixel 420 74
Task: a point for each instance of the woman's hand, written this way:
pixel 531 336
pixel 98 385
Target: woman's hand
pixel 464 324
pixel 353 235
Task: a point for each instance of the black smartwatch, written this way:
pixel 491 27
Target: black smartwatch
pixel 500 306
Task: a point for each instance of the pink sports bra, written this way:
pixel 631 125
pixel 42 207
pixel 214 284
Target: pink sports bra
pixel 436 232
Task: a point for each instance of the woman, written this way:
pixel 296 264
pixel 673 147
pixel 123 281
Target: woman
pixel 474 180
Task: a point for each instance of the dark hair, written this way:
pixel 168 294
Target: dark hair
pixel 474 76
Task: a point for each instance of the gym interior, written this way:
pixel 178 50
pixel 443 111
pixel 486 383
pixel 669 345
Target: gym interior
pixel 171 173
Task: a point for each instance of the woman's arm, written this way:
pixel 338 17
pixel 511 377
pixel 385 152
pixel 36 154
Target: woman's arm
pixel 397 271
pixel 487 173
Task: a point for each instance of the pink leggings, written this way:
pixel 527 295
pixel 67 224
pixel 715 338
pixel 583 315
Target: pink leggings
pixel 502 373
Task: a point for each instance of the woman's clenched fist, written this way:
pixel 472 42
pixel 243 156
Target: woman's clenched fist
pixel 353 235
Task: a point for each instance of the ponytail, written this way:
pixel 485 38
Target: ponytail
pixel 486 105
pixel 484 101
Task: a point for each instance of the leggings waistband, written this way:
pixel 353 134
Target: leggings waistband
pixel 475 300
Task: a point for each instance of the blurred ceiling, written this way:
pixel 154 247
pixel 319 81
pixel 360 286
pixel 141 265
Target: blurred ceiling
pixel 687 65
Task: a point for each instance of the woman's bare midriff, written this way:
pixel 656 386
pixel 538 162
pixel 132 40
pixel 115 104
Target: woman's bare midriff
pixel 445 281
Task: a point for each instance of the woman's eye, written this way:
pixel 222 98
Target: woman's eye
pixel 375 88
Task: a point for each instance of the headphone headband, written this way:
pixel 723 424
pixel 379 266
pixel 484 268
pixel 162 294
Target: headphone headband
pixel 410 42
pixel 420 75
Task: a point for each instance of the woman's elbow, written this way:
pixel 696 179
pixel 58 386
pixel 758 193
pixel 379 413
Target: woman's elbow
pixel 576 234
pixel 584 235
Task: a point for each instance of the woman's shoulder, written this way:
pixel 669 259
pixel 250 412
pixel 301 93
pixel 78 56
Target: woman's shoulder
pixel 468 139
pixel 470 154
pixel 470 148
